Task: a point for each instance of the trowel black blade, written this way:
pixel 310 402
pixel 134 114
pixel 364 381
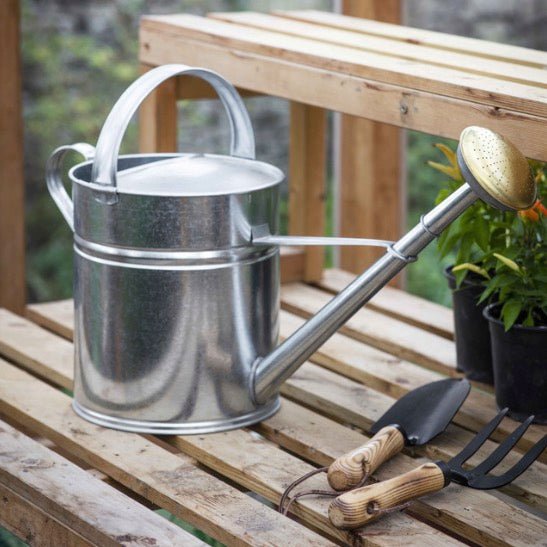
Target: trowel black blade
pixel 426 411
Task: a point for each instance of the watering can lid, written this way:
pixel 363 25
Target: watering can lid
pixel 198 175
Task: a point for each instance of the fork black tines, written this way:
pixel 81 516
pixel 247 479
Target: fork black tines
pixel 478 477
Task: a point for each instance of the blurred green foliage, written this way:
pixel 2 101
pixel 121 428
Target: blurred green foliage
pixel 425 277
pixel 70 82
pixel 73 76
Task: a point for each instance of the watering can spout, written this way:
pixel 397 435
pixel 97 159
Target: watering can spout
pixel 507 186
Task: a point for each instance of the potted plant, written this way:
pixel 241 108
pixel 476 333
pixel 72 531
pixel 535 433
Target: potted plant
pixel 500 272
pixel 518 318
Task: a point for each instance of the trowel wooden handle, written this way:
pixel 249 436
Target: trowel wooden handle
pixel 363 505
pixel 348 470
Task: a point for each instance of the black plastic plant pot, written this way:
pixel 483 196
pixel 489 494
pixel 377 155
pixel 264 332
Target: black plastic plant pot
pixel 473 354
pixel 520 367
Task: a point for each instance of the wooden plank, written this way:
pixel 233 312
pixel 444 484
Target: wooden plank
pixel 56 316
pixel 32 525
pixel 158 118
pixel 371 197
pixel 378 330
pixel 12 185
pixel 307 179
pixel 371 193
pixel 382 68
pixel 254 523
pixel 398 304
pixel 172 481
pixel 265 469
pixel 367 43
pixel 394 378
pixel 19 341
pixel 346 401
pixel 260 478
pixel 408 343
pixel 291 264
pixel 398 105
pixel 321 440
pixel 409 35
pixel 92 509
pixel 369 180
pixel 355 360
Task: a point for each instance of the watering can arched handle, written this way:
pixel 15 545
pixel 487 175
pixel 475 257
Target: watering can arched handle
pixel 106 158
pixel 54 178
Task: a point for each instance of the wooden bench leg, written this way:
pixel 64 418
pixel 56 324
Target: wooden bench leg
pixel 370 193
pixel 307 164
pixel 158 118
pixel 12 186
pixel 371 199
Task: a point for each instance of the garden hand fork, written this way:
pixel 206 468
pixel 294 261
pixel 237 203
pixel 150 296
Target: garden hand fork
pixel 357 507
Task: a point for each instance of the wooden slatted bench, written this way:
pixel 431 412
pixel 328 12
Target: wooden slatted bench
pixel 64 481
pixel 319 61
pixel 328 407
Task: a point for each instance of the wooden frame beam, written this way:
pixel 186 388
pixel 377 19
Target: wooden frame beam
pixel 12 190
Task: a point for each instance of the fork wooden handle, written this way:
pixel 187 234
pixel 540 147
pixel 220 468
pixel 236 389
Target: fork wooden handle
pixel 360 506
pixel 349 470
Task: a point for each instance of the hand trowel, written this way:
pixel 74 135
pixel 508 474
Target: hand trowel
pixel 414 419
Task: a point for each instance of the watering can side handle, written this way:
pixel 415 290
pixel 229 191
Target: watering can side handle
pixel 54 177
pixel 106 158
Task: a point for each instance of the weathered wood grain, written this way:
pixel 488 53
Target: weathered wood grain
pixel 437 114
pixel 32 525
pixel 261 467
pixel 95 511
pixel 398 304
pixel 326 443
pixel 319 439
pixel 383 68
pixel 172 481
pixel 383 372
pixel 351 403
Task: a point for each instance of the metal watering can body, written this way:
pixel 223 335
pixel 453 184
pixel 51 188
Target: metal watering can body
pixel 176 276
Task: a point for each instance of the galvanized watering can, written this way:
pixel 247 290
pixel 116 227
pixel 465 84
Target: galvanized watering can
pixel 176 275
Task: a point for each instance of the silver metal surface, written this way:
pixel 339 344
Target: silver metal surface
pixel 173 302
pixel 320 240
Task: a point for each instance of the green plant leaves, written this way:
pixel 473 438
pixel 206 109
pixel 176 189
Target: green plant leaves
pixel 509 248
pixel 510 312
